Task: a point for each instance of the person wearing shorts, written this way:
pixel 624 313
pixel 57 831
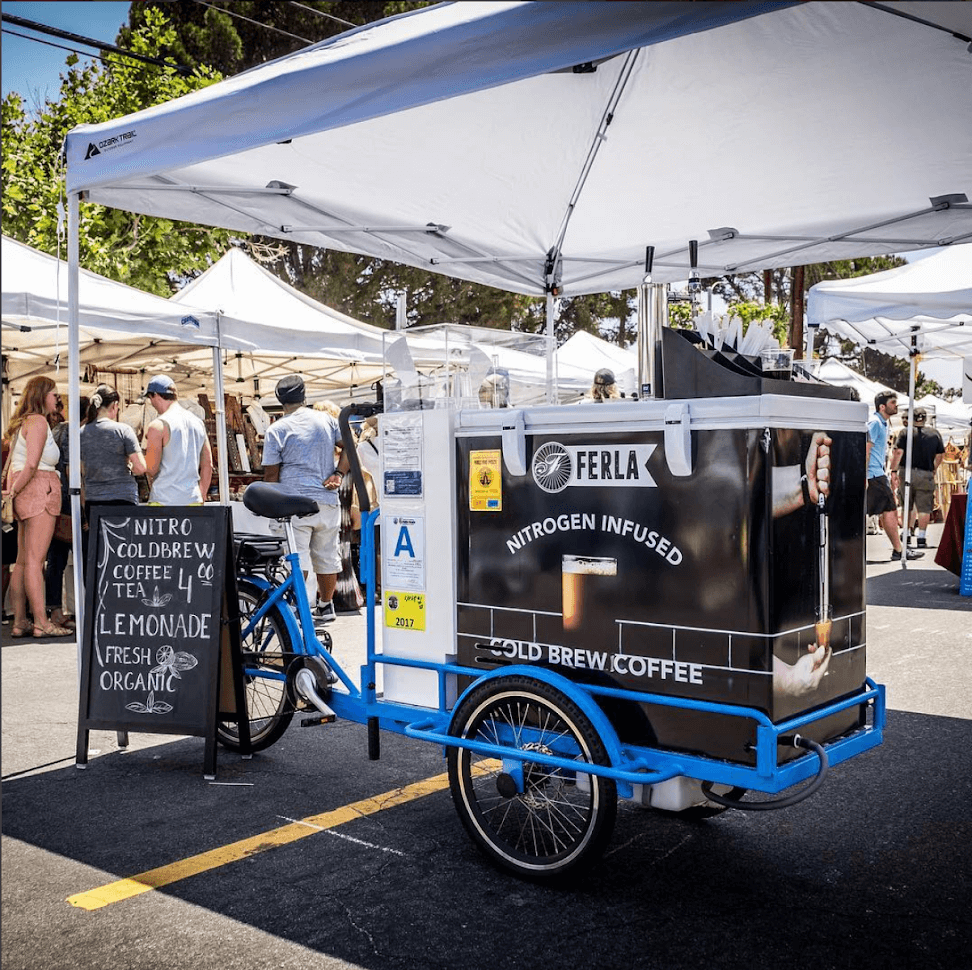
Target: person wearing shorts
pixel 880 496
pixel 298 454
pixel 35 485
pixel 927 453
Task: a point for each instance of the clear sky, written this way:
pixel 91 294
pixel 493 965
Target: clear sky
pixel 33 70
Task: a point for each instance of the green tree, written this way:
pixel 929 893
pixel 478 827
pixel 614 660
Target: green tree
pixel 367 289
pixel 139 250
pixel 232 37
pixel 750 287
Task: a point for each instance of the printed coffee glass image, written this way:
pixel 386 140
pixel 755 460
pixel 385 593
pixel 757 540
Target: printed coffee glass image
pixel 575 570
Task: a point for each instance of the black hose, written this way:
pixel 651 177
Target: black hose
pixel 365 410
pixel 788 800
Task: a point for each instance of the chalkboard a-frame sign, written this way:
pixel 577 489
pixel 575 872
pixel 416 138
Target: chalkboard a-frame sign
pixel 160 610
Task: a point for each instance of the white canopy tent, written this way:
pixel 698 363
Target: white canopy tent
pixel 121 328
pixel 922 309
pixel 924 305
pixel 241 288
pixel 373 141
pixel 952 418
pixel 587 351
pixel 836 372
pixel 336 354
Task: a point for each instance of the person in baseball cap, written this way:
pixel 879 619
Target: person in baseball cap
pixel 604 387
pixel 290 389
pixel 178 455
pixel 163 385
pixel 299 455
pixel 927 453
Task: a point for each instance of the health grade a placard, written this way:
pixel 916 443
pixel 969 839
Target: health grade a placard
pixel 405 611
pixel 485 481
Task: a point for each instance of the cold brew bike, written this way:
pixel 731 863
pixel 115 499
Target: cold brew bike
pixel 535 762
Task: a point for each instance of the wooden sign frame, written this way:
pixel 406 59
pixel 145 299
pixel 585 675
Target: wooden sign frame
pixel 161 626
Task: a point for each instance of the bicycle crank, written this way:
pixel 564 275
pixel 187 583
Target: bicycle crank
pixel 308 678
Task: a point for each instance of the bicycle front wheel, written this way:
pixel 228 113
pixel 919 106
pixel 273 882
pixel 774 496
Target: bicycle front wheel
pixel 267 649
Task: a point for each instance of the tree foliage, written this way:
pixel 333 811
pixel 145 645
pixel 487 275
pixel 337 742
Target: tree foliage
pixel 134 249
pixel 234 36
pixel 750 288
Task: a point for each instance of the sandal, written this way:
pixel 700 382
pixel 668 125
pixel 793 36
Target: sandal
pixel 18 632
pixel 51 630
pixel 64 621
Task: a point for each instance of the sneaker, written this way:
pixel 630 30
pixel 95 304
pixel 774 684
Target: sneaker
pixel 912 554
pixel 922 542
pixel 324 612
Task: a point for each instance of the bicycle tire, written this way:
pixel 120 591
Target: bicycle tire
pixel 555 827
pixel 269 647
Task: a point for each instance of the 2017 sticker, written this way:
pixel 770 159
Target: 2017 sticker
pixel 405 611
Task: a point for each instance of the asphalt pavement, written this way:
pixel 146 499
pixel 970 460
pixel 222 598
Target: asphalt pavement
pixel 311 856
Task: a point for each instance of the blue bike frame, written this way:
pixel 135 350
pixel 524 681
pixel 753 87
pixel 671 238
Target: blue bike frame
pixel 628 765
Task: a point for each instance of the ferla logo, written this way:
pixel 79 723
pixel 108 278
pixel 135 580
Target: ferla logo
pixel 556 466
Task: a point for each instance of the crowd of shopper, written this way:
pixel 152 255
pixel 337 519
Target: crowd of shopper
pixel 38 543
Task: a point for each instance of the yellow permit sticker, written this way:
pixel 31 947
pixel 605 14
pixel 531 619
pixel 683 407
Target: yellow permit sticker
pixel 405 611
pixel 485 481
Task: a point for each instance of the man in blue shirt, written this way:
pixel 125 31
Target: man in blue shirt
pixel 880 495
pixel 298 452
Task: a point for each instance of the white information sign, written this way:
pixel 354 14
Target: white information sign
pixel 404 557
pixel 401 454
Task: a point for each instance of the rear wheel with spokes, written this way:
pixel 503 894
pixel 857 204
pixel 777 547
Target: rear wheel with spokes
pixel 534 820
pixel 267 649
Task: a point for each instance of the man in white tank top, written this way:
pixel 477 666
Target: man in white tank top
pixel 178 456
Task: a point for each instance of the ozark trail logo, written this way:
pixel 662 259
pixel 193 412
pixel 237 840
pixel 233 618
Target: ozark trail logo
pixel 92 151
pixel 552 467
pixel 190 321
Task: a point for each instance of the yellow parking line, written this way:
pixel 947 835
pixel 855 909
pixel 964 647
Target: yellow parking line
pixel 114 892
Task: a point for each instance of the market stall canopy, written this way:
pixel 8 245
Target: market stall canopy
pixel 836 372
pixel 454 360
pixel 130 335
pixel 280 316
pixel 930 298
pixel 121 327
pixel 950 416
pixel 339 357
pixel 585 350
pixel 541 147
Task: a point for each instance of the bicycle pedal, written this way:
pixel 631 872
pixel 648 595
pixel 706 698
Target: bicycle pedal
pixel 320 719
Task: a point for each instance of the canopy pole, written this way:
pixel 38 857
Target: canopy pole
pixel 74 404
pixel 223 455
pixel 551 344
pixel 909 441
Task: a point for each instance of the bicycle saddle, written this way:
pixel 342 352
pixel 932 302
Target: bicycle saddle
pixel 262 498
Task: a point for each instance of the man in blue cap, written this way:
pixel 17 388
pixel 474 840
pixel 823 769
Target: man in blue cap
pixel 178 455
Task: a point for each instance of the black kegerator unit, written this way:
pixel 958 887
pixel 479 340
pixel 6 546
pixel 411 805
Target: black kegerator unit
pixel 672 546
